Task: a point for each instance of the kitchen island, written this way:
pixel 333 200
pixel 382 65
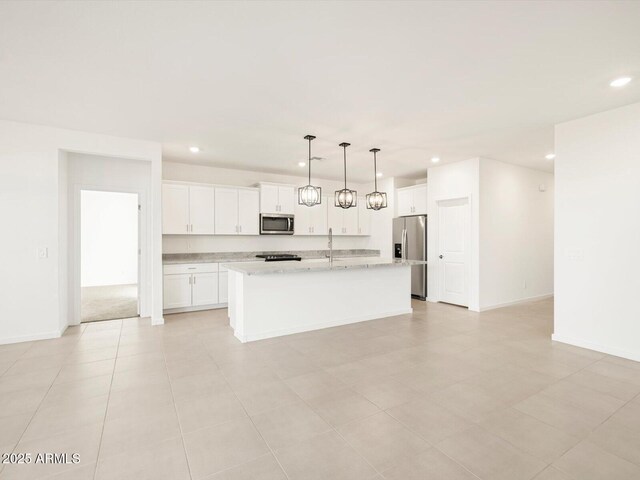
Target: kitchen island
pixel 270 299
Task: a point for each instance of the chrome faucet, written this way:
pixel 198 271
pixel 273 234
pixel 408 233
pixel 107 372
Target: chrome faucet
pixel 330 246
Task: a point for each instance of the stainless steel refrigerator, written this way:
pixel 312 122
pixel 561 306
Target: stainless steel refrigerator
pixel 410 242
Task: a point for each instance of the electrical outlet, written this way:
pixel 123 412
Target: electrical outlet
pixel 524 284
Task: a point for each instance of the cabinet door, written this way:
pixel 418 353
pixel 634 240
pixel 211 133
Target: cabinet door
pixel 302 221
pixel 350 221
pixel 205 289
pixel 249 212
pixel 364 218
pixel 269 199
pixel 318 218
pixel 405 202
pixel 287 199
pixel 177 290
pixel 202 210
pixel 420 200
pixel 335 219
pixel 226 211
pixel 175 209
pixel 223 287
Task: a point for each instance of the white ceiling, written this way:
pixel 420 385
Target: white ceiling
pixel 246 81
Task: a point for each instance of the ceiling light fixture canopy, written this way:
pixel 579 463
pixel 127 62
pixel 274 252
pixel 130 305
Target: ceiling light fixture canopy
pixel 194 149
pixel 435 159
pixel 346 198
pixel 309 195
pixel 376 200
pixel 550 156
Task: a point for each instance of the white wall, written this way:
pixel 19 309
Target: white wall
pixel 104 173
pixel 516 234
pixel 451 181
pixel 511 231
pixel 109 238
pixel 597 232
pixel 33 173
pixel 244 178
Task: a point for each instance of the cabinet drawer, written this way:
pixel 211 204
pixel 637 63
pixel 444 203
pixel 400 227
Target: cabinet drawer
pixel 190 268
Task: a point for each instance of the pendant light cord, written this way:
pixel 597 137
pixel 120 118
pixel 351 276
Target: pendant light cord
pixel 309 161
pixel 375 172
pixel 345 167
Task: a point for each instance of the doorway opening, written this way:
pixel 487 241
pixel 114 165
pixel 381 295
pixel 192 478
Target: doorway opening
pixel 109 255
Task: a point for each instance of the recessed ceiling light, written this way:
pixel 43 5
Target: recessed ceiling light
pixel 550 156
pixel 435 159
pixel 379 174
pixel 301 164
pixel 194 149
pixel 620 82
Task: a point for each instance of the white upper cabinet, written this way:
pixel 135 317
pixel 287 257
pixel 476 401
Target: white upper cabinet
pixel 343 221
pixel 287 199
pixel 175 209
pixel 201 210
pixel 318 218
pixel 237 211
pixel 269 198
pixel 187 209
pixel 277 198
pixel 311 220
pixel 364 218
pixel 226 211
pixel 248 211
pixel 412 200
pixel 209 210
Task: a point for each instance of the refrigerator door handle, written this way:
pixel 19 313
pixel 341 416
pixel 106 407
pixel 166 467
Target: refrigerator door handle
pixel 404 244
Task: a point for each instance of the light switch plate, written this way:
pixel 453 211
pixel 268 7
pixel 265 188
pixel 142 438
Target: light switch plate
pixel 43 252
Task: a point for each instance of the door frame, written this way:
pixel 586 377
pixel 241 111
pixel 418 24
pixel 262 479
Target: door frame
pixel 469 247
pixel 144 300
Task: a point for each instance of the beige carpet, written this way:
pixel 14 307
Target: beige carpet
pixel 109 302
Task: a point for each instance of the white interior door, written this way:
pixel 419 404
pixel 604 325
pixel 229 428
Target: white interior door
pixel 453 251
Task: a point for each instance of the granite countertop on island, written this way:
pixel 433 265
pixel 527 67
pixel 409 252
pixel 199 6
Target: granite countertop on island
pixel 263 268
pixel 229 257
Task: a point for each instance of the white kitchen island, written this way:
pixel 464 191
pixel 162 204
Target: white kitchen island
pixel 270 299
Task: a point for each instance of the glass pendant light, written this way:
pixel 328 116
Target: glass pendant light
pixel 346 198
pixel 309 195
pixel 376 200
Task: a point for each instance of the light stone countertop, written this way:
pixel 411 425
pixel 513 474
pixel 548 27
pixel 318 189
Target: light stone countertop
pixel 228 257
pixel 263 268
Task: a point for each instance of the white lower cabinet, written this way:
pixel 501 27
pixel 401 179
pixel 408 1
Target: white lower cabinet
pixel 177 290
pixel 204 289
pixel 192 285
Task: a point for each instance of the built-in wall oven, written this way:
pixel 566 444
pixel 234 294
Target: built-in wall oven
pixel 276 224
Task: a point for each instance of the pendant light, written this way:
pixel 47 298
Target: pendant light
pixel 376 200
pixel 346 198
pixel 309 195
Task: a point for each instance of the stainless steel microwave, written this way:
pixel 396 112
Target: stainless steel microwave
pixel 276 224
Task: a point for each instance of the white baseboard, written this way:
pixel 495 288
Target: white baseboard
pixel 616 352
pixel 318 326
pixel 31 338
pixel 515 302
